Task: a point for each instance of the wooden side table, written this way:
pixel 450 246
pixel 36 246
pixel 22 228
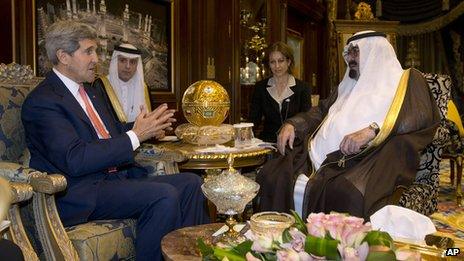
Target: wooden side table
pixel 181 244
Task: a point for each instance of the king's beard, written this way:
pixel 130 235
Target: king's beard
pixel 353 74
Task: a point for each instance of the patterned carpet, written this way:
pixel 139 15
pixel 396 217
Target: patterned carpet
pixel 449 220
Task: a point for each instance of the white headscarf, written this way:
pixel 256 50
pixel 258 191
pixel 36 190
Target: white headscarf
pixel 363 101
pixel 131 94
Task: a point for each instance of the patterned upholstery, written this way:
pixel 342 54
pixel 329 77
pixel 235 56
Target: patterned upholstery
pixel 12 141
pixel 104 239
pixel 456 143
pixel 422 195
pixel 13 151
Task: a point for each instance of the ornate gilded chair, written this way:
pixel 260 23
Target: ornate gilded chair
pixel 40 217
pixel 454 151
pixel 20 192
pixel 422 195
pixel 98 240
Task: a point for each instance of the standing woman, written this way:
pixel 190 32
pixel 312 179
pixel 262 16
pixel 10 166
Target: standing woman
pixel 280 96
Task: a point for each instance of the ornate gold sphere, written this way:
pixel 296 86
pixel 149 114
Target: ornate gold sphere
pixel 205 103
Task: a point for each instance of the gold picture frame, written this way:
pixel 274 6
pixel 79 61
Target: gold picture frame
pixel 296 42
pixel 26 20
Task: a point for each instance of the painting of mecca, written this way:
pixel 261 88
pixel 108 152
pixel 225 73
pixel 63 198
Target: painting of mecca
pixel 143 23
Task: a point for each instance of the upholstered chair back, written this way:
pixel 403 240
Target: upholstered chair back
pixel 422 195
pixel 12 142
pixel 16 82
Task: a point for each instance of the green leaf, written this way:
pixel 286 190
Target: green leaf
pixel 270 256
pixel 381 256
pixel 286 237
pixel 322 247
pixel 243 247
pixel 299 223
pixel 231 254
pixel 205 249
pixel 378 238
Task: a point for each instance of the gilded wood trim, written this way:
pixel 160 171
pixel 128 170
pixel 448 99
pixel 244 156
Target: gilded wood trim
pixel 54 239
pixel 17 234
pixel 20 192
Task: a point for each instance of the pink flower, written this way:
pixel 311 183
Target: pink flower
pixel 353 235
pixel 305 256
pixel 315 224
pixel 334 224
pixel 354 254
pixel 298 241
pixel 250 257
pixel 287 255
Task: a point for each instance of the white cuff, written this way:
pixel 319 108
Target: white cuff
pixel 134 139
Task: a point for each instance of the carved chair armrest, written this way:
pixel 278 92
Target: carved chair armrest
pixel 20 192
pixel 150 152
pixel 48 184
pixel 40 181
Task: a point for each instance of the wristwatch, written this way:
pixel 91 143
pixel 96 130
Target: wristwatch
pixel 374 127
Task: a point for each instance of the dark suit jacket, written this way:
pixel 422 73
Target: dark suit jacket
pixel 264 105
pixel 61 139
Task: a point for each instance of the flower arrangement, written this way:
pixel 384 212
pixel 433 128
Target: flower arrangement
pixel 332 236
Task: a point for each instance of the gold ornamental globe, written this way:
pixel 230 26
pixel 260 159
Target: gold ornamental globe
pixel 205 103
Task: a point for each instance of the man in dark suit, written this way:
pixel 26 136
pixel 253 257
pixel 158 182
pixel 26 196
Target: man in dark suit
pixel 71 129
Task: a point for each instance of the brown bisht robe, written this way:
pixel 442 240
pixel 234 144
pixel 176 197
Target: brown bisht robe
pixel 356 184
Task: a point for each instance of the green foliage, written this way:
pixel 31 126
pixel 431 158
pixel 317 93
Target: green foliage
pixel 379 238
pixel 270 257
pixel 286 237
pixel 236 253
pixel 243 247
pixel 229 253
pixel 205 250
pixel 381 256
pixel 299 223
pixel 322 247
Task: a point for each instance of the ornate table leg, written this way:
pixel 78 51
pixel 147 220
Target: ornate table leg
pixel 458 181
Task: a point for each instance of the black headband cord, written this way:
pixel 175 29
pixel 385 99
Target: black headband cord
pixel 127 50
pixel 370 34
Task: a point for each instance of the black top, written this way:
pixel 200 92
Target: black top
pixel 264 105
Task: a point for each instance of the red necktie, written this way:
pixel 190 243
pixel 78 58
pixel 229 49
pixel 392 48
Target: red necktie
pixel 96 122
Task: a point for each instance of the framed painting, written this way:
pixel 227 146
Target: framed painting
pixel 148 25
pixel 296 42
